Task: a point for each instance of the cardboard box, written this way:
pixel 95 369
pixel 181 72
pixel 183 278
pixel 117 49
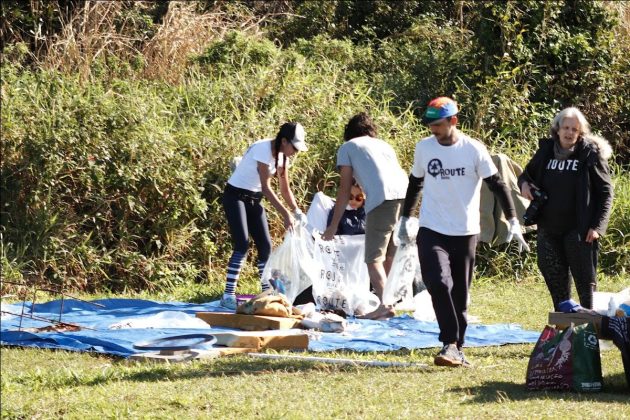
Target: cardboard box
pixel 563 320
pixel 259 340
pixel 248 322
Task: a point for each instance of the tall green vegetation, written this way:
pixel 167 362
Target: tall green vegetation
pixel 119 124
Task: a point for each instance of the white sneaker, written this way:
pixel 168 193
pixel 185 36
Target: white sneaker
pixel 229 302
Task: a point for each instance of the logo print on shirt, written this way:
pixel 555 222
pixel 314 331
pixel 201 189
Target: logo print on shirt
pixel 435 168
pixel 563 165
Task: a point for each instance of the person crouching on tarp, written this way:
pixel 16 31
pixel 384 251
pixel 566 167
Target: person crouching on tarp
pixel 353 219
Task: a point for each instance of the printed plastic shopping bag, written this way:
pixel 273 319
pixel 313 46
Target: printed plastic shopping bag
pixel 566 360
pixel 291 268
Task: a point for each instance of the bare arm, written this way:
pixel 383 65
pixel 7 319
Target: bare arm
pixel 265 181
pixel 343 196
pixel 285 188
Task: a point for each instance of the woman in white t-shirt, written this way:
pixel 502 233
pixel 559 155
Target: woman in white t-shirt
pixel 250 181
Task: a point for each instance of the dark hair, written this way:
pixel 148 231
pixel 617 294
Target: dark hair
pixel 287 131
pixel 358 126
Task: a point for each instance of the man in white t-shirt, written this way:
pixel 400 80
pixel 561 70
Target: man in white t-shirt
pixel 373 163
pixel 450 167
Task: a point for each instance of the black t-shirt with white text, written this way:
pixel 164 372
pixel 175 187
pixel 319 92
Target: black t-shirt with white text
pixel 559 214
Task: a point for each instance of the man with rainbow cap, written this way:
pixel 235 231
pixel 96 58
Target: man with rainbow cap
pixel 450 165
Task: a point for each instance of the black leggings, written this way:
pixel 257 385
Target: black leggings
pixel 447 264
pixel 245 216
pixel 560 254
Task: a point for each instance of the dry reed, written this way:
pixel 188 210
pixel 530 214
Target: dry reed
pixel 106 32
pixel 186 32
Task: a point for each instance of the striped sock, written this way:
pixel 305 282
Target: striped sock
pixel 233 272
pixel 264 284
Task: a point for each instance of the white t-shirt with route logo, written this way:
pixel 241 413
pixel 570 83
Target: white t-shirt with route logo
pixel 452 184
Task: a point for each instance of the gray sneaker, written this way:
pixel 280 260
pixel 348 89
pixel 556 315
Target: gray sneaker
pixel 229 302
pixel 465 363
pixel 448 356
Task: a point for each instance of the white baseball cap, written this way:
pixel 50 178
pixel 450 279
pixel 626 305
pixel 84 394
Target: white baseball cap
pixel 299 138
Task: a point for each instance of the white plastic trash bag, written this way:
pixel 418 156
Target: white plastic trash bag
pixel 317 214
pixel 342 282
pixel 291 264
pixel 606 303
pixel 412 225
pixel 405 271
pixel 424 307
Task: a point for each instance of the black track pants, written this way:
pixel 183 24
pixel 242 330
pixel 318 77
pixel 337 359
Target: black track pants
pixel 560 254
pixel 447 264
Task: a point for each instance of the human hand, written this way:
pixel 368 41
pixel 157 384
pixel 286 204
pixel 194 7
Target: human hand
pixel 289 222
pixel 516 232
pixel 403 232
pixel 300 217
pixel 591 236
pixel 328 234
pixel 526 191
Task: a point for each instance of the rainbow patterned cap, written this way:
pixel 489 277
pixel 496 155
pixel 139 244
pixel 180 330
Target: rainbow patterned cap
pixel 439 108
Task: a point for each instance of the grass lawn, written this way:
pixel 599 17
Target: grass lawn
pixel 55 384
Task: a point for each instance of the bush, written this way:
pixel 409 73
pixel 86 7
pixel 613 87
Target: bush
pixel 116 184
pixel 111 178
pixel 95 185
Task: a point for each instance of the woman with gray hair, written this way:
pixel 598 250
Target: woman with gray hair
pixel 568 181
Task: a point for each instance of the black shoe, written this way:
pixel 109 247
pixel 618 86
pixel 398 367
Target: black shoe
pixel 448 356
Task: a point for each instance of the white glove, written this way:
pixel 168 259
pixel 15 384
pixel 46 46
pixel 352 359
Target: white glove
pixel 515 232
pixel 300 217
pixel 403 232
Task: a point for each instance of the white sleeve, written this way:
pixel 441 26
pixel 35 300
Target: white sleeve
pixel 485 165
pixel 418 169
pixel 259 154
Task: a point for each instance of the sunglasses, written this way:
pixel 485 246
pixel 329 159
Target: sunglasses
pixel 358 197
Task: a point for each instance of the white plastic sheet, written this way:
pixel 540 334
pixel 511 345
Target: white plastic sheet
pixel 165 319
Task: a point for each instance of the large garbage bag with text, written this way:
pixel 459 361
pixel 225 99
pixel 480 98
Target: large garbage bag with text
pixel 291 267
pixel 342 282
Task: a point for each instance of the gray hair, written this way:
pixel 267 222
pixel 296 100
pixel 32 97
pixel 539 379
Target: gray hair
pixel 572 112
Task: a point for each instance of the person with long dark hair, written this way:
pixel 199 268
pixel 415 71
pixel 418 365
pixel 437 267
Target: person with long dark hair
pixel 570 171
pixel 249 183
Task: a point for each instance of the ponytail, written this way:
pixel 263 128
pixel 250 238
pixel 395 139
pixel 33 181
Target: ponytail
pixel 287 131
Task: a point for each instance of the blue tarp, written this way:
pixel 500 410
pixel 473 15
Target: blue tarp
pixel 361 335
